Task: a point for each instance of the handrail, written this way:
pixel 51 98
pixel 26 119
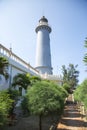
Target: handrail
pixel 9 53
pixel 52 77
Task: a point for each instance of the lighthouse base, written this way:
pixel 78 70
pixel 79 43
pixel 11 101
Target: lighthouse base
pixel 44 70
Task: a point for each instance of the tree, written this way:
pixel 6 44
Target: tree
pixel 13 94
pixel 3 67
pixel 85 57
pixel 80 93
pixel 66 86
pixel 45 97
pixel 34 79
pixel 70 75
pixel 22 81
pixel 24 104
pixel 77 93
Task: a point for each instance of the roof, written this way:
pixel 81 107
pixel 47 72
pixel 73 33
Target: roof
pixel 43 19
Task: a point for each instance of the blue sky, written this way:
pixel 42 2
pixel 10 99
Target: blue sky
pixel 68 19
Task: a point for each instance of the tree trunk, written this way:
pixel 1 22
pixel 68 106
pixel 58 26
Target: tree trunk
pixel 40 122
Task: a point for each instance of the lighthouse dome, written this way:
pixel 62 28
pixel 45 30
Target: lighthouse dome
pixel 43 19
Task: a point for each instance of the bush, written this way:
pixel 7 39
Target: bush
pixel 24 106
pixel 80 93
pixel 5 106
pixel 45 97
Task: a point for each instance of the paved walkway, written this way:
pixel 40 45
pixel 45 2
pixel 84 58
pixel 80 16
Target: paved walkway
pixel 72 119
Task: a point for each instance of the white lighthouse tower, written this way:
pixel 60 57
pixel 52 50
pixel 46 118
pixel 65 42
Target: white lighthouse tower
pixel 43 55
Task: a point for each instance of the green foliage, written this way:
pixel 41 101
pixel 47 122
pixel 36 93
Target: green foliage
pixel 14 94
pixel 3 67
pixel 70 75
pixel 24 106
pixel 84 92
pixel 80 93
pixel 44 97
pixel 5 106
pixel 21 80
pixel 77 93
pixel 24 80
pixel 66 86
pixel 85 57
pixel 34 79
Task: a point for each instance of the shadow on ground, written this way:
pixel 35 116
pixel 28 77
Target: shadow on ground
pixel 73 123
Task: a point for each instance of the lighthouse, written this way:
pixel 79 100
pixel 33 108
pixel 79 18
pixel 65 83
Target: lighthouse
pixel 43 52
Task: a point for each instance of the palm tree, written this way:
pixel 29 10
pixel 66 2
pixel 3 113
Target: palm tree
pixel 70 75
pixel 22 81
pixel 3 67
pixel 34 79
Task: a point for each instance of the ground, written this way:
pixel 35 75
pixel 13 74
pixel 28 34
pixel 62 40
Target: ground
pixel 72 119
pixel 32 123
